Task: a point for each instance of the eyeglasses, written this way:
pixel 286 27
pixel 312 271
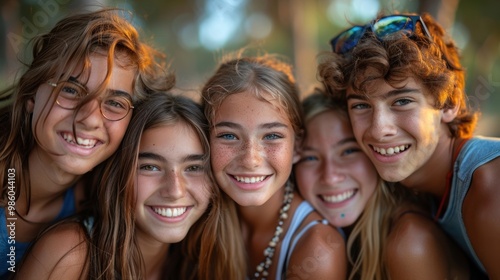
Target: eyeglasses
pixel 69 95
pixel 384 28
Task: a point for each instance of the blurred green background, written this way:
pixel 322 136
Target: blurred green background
pixel 195 34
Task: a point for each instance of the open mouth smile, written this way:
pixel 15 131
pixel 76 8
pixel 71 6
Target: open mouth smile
pixel 390 151
pixel 250 180
pixel 339 197
pixel 169 212
pixel 82 142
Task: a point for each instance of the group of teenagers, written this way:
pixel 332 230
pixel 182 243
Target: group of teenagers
pixel 374 175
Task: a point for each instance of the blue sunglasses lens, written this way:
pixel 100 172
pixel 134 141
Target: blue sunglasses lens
pixel 386 28
pixel 393 25
pixel 347 40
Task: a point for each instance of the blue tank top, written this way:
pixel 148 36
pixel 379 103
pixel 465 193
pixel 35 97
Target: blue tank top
pixel 476 152
pixel 7 257
pixel 291 238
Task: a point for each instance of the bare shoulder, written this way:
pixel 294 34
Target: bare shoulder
pixel 416 245
pixel 481 215
pixel 59 254
pixel 319 254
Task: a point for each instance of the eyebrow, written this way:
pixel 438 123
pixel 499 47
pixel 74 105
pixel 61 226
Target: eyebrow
pixel 157 157
pixel 386 95
pixel 113 92
pixel 238 126
pixel 75 80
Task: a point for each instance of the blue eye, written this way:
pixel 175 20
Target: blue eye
pixel 227 136
pixel 272 136
pixel 350 151
pixel 360 106
pixel 402 102
pixel 308 158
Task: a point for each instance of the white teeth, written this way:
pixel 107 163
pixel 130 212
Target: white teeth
pixel 170 212
pixel 339 197
pixel 87 143
pixel 390 151
pixel 250 180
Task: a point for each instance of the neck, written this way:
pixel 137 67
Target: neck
pixel 47 185
pixel 47 177
pixel 431 177
pixel 262 216
pixel 154 255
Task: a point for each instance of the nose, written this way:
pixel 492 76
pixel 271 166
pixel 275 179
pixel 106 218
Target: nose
pixel 173 186
pixel 332 173
pixel 251 154
pixel 382 124
pixel 89 115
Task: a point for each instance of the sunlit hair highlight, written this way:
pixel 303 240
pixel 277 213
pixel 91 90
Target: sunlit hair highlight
pixel 260 75
pixel 56 55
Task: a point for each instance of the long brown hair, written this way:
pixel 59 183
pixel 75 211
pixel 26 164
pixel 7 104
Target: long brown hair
pixel 435 62
pixel 205 253
pixel 56 55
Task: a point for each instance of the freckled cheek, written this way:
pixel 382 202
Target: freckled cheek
pixel 282 157
pixel 221 156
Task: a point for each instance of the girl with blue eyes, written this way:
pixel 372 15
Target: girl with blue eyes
pixel 253 108
pixel 156 192
pixel 390 232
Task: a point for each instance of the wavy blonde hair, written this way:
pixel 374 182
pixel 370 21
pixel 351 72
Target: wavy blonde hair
pixel 367 241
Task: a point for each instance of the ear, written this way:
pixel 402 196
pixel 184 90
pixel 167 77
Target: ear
pixel 30 105
pixel 449 114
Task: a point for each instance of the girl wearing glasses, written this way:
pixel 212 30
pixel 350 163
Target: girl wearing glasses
pixel 253 108
pixel 404 88
pixel 70 111
pixel 382 222
pixel 157 191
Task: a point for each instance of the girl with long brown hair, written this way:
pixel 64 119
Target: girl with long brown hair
pixel 70 111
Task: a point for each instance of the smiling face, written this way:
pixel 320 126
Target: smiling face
pixel 252 148
pixel 333 174
pixel 96 137
pixel 172 189
pixel 399 128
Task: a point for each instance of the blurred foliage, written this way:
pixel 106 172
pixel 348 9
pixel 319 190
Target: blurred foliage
pixel 297 29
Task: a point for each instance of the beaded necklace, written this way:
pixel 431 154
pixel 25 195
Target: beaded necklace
pixel 262 268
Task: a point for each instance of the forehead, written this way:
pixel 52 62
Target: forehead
pixel 172 138
pixel 374 88
pixel 327 125
pixel 248 102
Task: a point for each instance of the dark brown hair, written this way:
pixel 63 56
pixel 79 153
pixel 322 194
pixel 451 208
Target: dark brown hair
pixel 205 253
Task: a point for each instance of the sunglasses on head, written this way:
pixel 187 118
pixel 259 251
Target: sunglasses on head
pixel 383 28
